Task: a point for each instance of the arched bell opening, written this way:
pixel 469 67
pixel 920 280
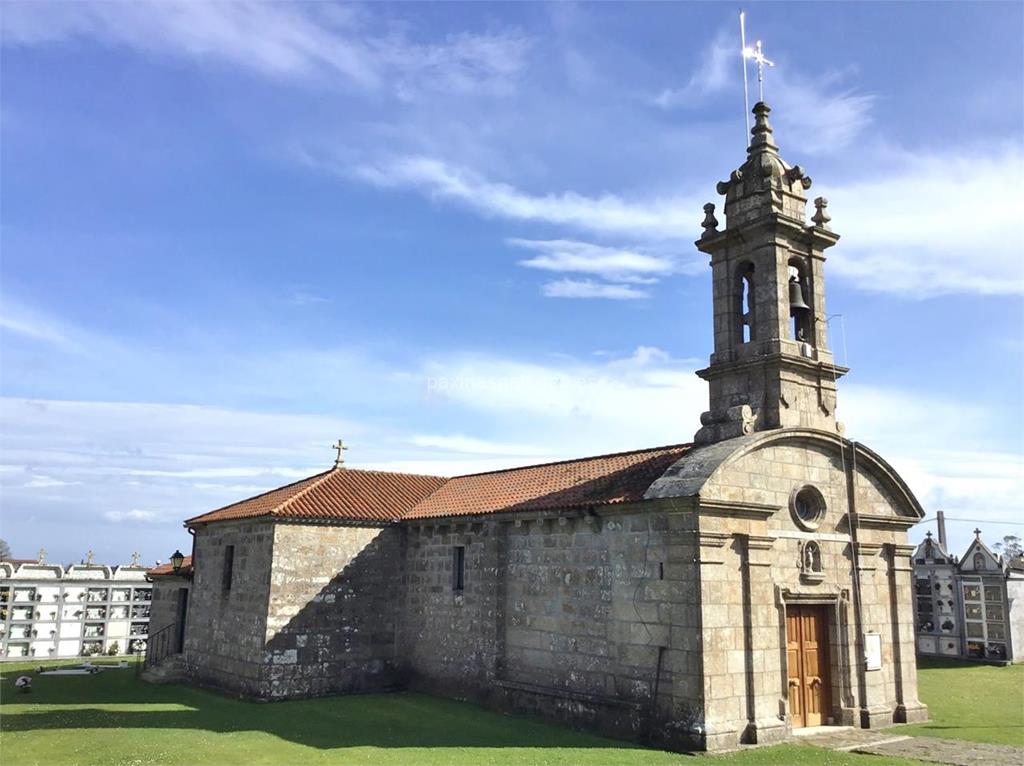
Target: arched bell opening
pixel 801 326
pixel 745 303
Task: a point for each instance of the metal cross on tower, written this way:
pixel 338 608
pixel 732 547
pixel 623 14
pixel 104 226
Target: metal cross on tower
pixel 757 54
pixel 340 460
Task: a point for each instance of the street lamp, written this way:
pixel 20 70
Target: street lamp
pixel 177 559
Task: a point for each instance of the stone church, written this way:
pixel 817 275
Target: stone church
pixel 697 595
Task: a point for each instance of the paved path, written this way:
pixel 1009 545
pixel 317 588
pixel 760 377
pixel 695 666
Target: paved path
pixel 955 752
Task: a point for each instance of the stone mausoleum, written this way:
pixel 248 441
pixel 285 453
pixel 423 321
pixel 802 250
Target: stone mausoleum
pixel 698 595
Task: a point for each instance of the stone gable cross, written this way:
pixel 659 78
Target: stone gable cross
pixel 340 460
pixel 135 559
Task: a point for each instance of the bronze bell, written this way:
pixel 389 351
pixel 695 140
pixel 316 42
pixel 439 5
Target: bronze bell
pixel 796 297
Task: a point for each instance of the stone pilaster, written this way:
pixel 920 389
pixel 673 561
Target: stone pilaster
pixel 909 708
pixel 875 711
pixel 762 627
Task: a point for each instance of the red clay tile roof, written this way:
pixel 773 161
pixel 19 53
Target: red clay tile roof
pixel 167 569
pixel 341 493
pixel 355 495
pixel 601 480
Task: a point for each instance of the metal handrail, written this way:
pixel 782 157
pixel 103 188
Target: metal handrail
pixel 159 645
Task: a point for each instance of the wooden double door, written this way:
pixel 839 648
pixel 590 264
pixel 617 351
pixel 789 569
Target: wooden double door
pixel 808 663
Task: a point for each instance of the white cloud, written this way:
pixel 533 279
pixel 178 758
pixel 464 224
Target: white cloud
pixel 45 482
pixel 713 74
pixel 607 213
pixel 818 116
pixel 20 321
pixel 303 297
pixel 577 407
pixel 923 225
pixel 585 288
pixel 473 446
pixel 134 514
pixel 611 263
pixel 307 42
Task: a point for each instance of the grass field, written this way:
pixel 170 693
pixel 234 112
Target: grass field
pixel 113 719
pixel 980 703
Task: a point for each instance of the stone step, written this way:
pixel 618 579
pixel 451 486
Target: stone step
pixel 170 670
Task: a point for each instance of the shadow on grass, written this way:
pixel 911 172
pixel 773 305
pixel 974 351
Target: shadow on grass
pixel 396 720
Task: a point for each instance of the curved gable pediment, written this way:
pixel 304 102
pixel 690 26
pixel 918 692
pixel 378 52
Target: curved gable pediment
pixel 755 469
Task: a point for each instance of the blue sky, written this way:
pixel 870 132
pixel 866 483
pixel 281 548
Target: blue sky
pixel 460 236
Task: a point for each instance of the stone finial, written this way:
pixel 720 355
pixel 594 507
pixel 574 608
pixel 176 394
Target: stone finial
pixel 821 216
pixel 41 556
pixel 710 223
pixel 90 558
pixel 762 130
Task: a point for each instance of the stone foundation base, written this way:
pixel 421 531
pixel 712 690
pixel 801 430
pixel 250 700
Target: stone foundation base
pixel 876 717
pixel 721 740
pixel 768 731
pixel 913 712
pixel 848 716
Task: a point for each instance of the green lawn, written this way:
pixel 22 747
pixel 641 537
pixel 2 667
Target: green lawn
pixel 981 703
pixel 113 719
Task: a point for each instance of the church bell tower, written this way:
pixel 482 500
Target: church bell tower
pixel 771 366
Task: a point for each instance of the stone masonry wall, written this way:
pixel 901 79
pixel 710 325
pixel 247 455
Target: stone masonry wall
pixel 164 609
pixel 225 629
pixel 333 609
pixel 569 617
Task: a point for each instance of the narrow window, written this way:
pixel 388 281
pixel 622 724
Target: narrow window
pixel 458 567
pixel 747 303
pixel 229 564
pixel 661 570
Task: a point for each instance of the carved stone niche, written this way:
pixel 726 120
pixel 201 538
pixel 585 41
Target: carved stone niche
pixel 811 570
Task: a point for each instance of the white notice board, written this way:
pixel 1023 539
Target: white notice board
pixel 873 651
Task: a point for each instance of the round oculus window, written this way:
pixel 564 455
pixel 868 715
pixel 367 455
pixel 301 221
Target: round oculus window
pixel 808 506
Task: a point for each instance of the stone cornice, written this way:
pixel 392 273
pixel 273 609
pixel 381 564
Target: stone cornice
pixel 878 521
pixel 791 229
pixel 737 510
pixel 719 369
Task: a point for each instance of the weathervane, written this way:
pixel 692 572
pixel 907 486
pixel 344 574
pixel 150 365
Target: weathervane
pixel 757 54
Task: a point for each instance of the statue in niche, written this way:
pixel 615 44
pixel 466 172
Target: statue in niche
pixel 811 558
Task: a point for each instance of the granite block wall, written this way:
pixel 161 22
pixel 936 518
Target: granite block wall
pixel 332 610
pixel 226 628
pixel 574 617
pixel 164 607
